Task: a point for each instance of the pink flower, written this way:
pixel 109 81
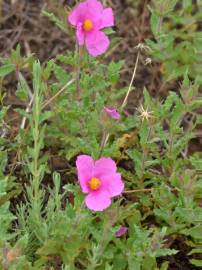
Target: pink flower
pixel 100 180
pixel 122 231
pixel 89 17
pixel 112 112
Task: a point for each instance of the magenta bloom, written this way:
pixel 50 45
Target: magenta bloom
pixel 122 231
pixel 112 112
pixel 100 180
pixel 89 17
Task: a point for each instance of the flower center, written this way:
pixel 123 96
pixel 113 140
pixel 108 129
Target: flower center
pixel 94 183
pixel 87 25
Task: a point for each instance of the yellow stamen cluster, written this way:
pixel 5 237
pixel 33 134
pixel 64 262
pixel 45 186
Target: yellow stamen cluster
pixel 87 25
pixel 94 183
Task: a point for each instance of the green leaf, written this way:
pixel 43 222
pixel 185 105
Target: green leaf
pixel 148 263
pixel 114 71
pixel 138 159
pixel 109 31
pixel 195 250
pixel 164 266
pixel 147 98
pixel 6 69
pixel 56 21
pixel 62 76
pixel 194 232
pixel 5 198
pixel 36 77
pixel 155 23
pixel 23 89
pixel 196 262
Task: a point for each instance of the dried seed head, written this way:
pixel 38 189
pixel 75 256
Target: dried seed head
pixel 144 113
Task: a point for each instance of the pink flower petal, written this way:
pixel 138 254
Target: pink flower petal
pixel 78 14
pixel 80 34
pixel 94 12
pixel 85 166
pixel 96 43
pixel 113 184
pixel 98 201
pixel 104 166
pixel 107 18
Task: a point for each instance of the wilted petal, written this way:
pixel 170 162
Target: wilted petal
pixel 122 231
pixel 112 112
